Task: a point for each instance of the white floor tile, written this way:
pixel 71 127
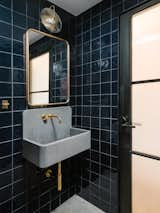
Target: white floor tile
pixel 77 205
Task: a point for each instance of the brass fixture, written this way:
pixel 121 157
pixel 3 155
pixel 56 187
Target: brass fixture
pixel 45 117
pixel 59 177
pixel 48 173
pixel 51 20
pixel 5 104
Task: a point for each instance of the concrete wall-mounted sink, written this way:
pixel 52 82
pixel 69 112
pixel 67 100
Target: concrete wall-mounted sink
pixel 47 143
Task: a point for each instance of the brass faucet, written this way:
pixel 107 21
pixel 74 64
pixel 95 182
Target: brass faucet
pixel 45 117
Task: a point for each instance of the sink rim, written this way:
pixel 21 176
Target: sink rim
pixel 82 132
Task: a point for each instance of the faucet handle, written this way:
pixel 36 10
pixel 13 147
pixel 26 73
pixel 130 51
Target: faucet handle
pixel 44 117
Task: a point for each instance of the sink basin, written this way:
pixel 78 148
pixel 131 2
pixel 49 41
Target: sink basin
pixel 47 143
pixel 46 154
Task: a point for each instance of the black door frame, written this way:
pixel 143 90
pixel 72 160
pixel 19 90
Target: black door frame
pixel 125 192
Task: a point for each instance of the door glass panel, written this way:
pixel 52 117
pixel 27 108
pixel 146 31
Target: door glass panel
pixel 145 185
pixel 146 117
pixel 39 79
pixel 39 76
pixel 146 44
pixel 39 98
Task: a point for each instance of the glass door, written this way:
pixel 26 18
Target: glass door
pixel 145 110
pixel 140 109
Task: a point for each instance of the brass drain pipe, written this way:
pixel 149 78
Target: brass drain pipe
pixel 59 177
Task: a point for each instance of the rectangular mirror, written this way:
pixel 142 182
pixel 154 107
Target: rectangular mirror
pixel 47 68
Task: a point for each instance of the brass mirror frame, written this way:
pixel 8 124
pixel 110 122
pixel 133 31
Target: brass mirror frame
pixel 28 68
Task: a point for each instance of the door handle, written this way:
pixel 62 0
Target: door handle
pixel 128 125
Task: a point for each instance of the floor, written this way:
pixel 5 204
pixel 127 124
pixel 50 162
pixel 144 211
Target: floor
pixel 77 205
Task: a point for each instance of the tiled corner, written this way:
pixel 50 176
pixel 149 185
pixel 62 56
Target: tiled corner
pixel 95 99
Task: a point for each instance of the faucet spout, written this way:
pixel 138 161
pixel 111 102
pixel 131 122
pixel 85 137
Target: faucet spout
pixel 55 116
pixel 45 117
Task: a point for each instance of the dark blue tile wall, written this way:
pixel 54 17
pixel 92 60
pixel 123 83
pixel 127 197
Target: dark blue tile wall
pixel 15 18
pixel 94 87
pixel 95 94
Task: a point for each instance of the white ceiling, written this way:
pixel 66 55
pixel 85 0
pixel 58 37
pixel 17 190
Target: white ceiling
pixel 34 36
pixel 75 7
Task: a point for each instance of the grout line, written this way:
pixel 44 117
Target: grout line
pixel 12 173
pixel 111 115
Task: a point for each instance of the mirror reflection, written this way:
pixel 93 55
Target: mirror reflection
pixel 47 69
